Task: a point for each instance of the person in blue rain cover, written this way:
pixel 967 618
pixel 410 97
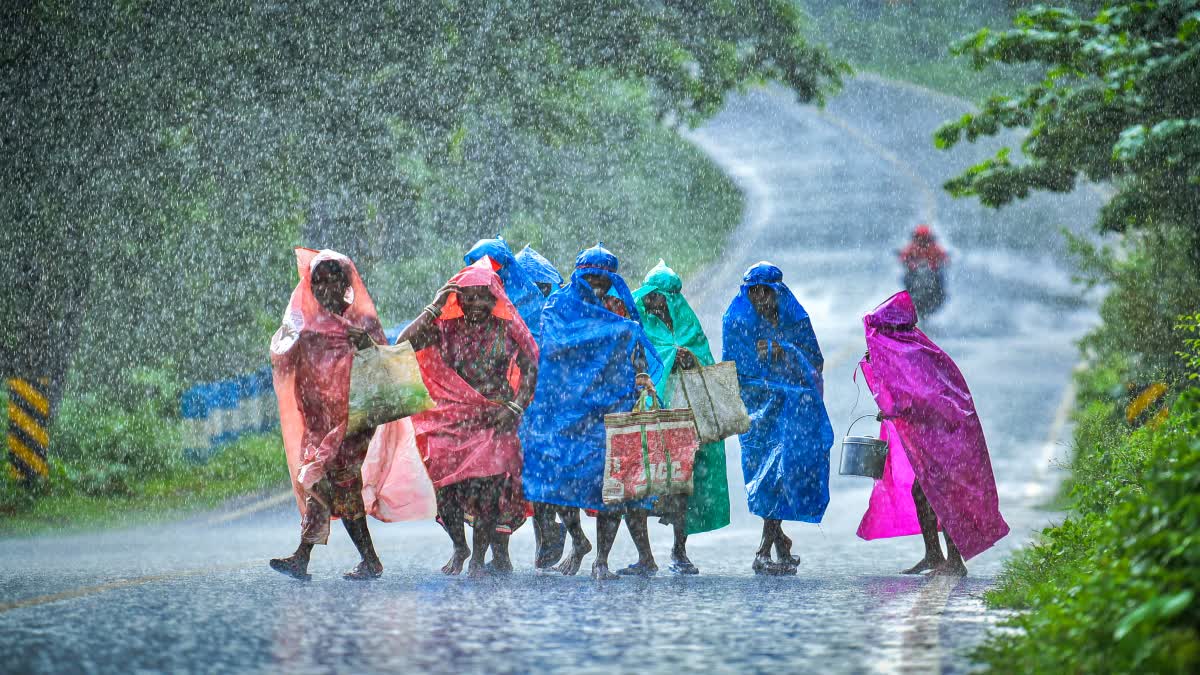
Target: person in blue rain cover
pixel 595 359
pixel 785 455
pixel 540 271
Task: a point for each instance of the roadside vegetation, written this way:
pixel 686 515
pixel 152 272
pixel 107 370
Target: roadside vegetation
pixel 172 153
pixel 1113 587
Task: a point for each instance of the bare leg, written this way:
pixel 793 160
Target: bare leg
pixel 783 549
pixel 295 565
pixel 452 521
pixel 925 516
pixel 370 567
pixel 484 534
pixel 580 546
pixel 639 531
pixel 548 536
pixel 679 549
pixel 954 565
pixel 606 533
pixel 501 562
pixel 680 563
pixel 762 557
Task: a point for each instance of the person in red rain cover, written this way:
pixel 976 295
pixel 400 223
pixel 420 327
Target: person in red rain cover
pixel 923 249
pixel 480 363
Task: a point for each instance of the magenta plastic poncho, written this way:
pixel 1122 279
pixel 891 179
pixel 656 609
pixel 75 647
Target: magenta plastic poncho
pixel 933 434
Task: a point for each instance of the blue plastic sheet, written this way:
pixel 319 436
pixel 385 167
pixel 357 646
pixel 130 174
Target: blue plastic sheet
pixel 785 455
pixel 586 371
pixel 520 289
pixel 537 268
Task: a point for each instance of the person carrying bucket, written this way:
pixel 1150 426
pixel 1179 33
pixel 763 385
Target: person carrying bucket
pixel 785 455
pixel 937 473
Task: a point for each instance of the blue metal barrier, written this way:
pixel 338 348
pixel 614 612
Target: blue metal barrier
pixel 218 413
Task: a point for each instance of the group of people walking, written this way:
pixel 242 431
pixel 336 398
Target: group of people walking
pixel 523 365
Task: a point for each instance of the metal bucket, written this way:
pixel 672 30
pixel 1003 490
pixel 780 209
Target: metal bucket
pixel 863 455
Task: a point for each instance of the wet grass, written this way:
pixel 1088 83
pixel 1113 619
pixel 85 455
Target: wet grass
pixel 254 464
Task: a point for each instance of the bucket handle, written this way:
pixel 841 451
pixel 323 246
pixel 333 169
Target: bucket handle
pixel 857 421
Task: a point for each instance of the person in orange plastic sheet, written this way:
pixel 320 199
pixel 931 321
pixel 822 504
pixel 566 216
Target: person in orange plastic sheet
pixel 330 317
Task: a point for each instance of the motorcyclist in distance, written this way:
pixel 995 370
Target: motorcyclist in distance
pixel 924 269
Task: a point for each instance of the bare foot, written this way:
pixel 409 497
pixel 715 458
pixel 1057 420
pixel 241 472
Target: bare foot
pixel 292 566
pixel 477 571
pixel 954 568
pixel 600 572
pixel 364 571
pixel 764 565
pixel 455 564
pixel 783 551
pixel 497 566
pixel 924 565
pixel 570 566
pixel 680 564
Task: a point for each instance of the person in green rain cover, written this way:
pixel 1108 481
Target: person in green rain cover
pixel 679 339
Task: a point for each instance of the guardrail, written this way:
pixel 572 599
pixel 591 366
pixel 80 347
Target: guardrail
pixel 216 414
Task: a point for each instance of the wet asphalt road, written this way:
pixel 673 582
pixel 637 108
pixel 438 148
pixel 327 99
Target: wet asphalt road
pixel 830 195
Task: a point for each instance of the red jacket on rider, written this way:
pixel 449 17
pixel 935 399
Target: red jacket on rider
pixel 923 250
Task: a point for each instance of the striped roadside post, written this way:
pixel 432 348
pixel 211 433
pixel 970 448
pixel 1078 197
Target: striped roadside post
pixel 28 427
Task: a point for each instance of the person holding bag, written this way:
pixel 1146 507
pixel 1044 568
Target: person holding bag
pixel 595 359
pixel 679 339
pixel 329 317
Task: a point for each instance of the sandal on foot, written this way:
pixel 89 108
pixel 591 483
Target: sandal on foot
pixel 363 572
pixel 638 570
pixel 768 567
pixel 288 567
pixel 683 568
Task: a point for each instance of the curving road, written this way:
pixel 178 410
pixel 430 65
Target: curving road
pixel 830 194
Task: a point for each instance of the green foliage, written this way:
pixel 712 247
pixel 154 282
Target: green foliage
pixel 1152 278
pixel 172 152
pixel 1113 588
pixel 106 445
pixel 1190 325
pixel 252 465
pixel 1116 102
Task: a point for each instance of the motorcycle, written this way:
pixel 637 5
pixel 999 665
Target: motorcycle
pixel 927 288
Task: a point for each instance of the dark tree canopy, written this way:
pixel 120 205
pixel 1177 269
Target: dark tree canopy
pixel 1119 102
pixel 162 157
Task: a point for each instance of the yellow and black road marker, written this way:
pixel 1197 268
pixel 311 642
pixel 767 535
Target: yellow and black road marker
pixel 28 427
pixel 1148 405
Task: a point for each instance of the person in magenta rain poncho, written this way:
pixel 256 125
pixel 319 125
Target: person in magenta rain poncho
pixel 785 455
pixel 937 472
pixel 479 362
pixel 329 317
pixel 595 359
